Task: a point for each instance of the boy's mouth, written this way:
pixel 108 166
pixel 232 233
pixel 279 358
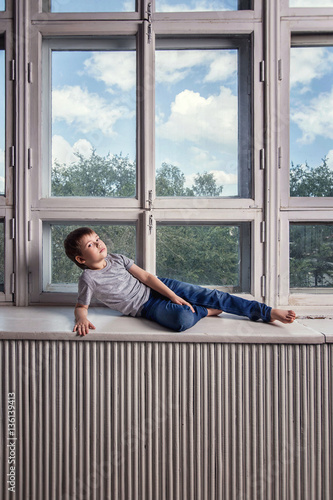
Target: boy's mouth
pixel 102 250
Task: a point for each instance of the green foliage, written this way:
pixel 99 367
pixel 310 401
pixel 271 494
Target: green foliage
pixel 307 181
pixel 311 255
pixel 311 246
pixel 110 176
pixel 202 254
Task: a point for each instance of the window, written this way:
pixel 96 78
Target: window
pixel 2 257
pixel 88 6
pixel 311 124
pixel 200 93
pixel 91 149
pixel 118 238
pixel 196 136
pixel 2 121
pixel 2 5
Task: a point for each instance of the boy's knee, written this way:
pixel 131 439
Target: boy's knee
pixel 184 319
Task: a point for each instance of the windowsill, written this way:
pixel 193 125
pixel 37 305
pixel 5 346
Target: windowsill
pixel 56 323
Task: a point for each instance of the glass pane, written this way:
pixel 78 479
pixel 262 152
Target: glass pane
pixel 93 123
pixel 2 5
pixel 203 255
pixel 92 6
pixel 118 238
pixel 2 122
pixel 2 256
pixel 311 256
pixel 201 5
pixel 197 122
pixel 310 3
pixel 311 121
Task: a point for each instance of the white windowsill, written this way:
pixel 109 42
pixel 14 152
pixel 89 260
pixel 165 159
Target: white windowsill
pixel 56 323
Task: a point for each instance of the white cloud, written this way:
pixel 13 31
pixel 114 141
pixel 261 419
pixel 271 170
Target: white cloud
pixel 315 118
pixel 309 63
pixel 85 110
pixel 198 5
pixel 115 69
pixel 173 66
pixel 195 118
pixel 64 153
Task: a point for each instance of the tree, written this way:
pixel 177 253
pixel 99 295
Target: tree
pixel 307 181
pixel 311 246
pixel 205 185
pixel 109 176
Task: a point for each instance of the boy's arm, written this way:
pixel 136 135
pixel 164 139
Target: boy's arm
pixel 82 324
pixel 156 284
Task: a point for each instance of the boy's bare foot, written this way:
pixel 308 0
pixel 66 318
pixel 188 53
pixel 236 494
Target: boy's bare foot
pixel 213 312
pixel 282 315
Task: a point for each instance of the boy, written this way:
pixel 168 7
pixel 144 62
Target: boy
pixel 122 285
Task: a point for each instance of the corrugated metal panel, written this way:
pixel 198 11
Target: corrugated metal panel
pixel 127 420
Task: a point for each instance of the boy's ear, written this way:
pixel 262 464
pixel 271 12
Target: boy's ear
pixel 80 259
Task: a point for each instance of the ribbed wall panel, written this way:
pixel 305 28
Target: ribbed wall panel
pixel 168 421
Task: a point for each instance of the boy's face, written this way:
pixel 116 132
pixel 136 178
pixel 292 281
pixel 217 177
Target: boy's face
pixel 93 251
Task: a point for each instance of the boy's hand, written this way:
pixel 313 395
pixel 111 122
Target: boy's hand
pixel 82 327
pixel 181 302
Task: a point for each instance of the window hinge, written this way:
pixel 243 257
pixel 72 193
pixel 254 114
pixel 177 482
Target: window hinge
pixel 279 157
pixel 12 229
pixel 12 283
pixel 148 19
pixel 263 285
pixel 29 282
pixel 263 231
pixel 12 70
pixel 262 159
pixel 280 69
pixel 279 230
pixel 150 199
pixel 12 156
pixel 278 285
pixel 29 230
pixel 29 158
pixel 262 71
pixel 150 224
pixel 30 72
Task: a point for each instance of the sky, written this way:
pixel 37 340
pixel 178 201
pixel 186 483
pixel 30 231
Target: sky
pixel 2 4
pixel 93 106
pixel 311 105
pixel 129 5
pixel 310 3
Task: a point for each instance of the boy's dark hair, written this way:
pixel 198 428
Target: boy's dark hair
pixel 72 244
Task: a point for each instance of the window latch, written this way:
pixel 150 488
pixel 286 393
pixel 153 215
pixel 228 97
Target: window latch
pixel 148 19
pixel 150 224
pixel 150 199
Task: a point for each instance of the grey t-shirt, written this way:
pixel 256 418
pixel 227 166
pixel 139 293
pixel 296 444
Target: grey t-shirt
pixel 114 286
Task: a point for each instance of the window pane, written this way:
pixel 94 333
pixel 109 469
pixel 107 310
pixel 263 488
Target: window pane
pixel 310 3
pixel 201 5
pixel 205 254
pixel 197 145
pixel 93 123
pixel 311 121
pixel 118 238
pixel 2 122
pixel 2 256
pixel 311 256
pixel 2 5
pixel 92 6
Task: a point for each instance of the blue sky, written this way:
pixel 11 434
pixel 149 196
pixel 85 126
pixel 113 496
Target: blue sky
pixel 93 105
pixel 2 4
pixel 92 6
pixel 2 120
pixel 311 105
pixel 129 5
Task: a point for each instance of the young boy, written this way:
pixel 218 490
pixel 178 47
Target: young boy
pixel 122 285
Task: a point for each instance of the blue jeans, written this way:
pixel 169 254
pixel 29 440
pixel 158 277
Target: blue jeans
pixel 179 318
